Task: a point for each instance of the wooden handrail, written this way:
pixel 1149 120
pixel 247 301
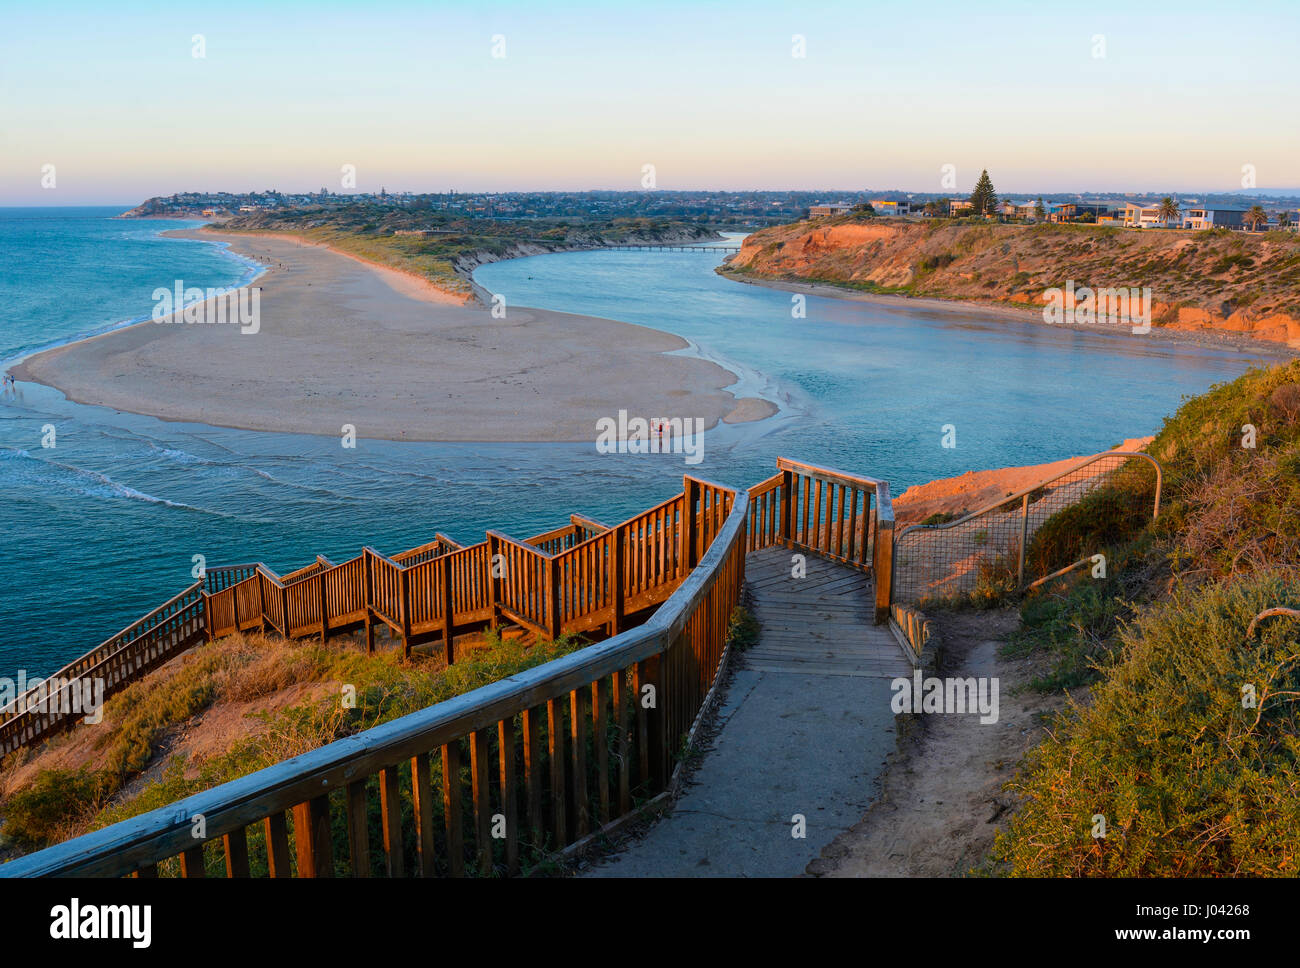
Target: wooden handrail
pixel 591 524
pixel 597 581
pixel 303 782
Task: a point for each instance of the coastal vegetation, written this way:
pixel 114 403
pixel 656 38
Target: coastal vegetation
pixel 1213 280
pixel 445 247
pixel 1186 744
pixel 226 710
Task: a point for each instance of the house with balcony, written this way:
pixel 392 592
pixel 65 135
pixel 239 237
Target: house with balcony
pixel 1218 217
pixel 1145 217
pixel 824 211
pixel 1028 209
pixel 887 206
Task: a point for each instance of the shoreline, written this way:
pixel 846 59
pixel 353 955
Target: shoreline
pixel 1222 341
pixel 400 359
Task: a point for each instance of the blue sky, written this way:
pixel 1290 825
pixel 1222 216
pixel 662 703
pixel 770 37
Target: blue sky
pixel 586 94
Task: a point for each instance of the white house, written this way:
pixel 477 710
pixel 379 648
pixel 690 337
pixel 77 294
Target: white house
pixel 885 206
pixel 1144 217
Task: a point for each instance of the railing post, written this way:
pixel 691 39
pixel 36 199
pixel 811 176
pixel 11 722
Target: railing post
pixel 367 584
pixel 883 556
pixel 1024 535
pixel 234 606
pixel 448 618
pixel 494 596
pixel 284 612
pixel 324 617
pixel 553 596
pixel 617 566
pixel 787 490
pixel 311 833
pixel 404 588
pixel 691 524
pixel 207 614
pixel 656 722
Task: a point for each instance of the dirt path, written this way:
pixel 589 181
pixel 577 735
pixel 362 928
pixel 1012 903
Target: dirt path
pixel 941 801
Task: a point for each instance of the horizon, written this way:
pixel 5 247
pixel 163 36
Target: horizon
pixel 582 98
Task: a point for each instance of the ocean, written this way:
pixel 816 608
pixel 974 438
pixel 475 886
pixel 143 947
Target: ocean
pixel 104 525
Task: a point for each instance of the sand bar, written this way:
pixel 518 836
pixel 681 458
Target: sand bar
pixel 342 341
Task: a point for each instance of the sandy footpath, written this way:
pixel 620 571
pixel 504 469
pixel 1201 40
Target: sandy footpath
pixel 342 341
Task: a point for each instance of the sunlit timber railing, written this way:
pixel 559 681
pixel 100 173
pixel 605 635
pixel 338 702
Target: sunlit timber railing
pixel 144 645
pixel 433 592
pixel 995 543
pixel 556 755
pixel 845 517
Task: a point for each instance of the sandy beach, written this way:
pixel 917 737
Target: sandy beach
pixel 341 341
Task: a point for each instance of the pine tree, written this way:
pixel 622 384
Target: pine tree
pixel 984 199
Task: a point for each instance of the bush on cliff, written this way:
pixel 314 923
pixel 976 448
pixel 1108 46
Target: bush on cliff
pixel 1190 751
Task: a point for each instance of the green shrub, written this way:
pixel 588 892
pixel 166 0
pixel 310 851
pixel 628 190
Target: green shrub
pixel 43 812
pixel 1191 781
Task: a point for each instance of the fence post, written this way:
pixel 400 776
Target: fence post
pixel 553 595
pixel 1024 535
pixel 207 614
pixel 494 597
pixel 617 556
pixel 324 617
pixel 448 618
pixel 787 489
pixel 367 582
pixel 883 556
pixel 691 526
pixel 404 587
pixel 655 719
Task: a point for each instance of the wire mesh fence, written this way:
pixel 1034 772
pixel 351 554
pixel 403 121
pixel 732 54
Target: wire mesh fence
pixel 1031 534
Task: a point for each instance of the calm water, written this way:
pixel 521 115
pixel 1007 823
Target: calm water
pixel 103 526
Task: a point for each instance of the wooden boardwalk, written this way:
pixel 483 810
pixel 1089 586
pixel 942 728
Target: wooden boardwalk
pixel 819 624
pixel 804 729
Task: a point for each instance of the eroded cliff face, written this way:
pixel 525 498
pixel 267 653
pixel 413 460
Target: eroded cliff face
pixel 1217 281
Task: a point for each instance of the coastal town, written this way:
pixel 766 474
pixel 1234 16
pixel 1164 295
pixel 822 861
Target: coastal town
pixel 1167 213
pixel 749 210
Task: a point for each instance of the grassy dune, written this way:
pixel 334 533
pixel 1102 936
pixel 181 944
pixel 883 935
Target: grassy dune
pixel 1189 741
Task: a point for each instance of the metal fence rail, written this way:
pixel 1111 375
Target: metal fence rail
pixel 1003 544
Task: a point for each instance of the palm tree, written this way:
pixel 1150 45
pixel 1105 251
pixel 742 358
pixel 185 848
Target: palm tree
pixel 1168 210
pixel 1255 217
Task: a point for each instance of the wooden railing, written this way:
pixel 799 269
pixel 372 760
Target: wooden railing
pixel 435 591
pixel 555 755
pixel 845 517
pixel 578 530
pixel 582 578
pixel 168 630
